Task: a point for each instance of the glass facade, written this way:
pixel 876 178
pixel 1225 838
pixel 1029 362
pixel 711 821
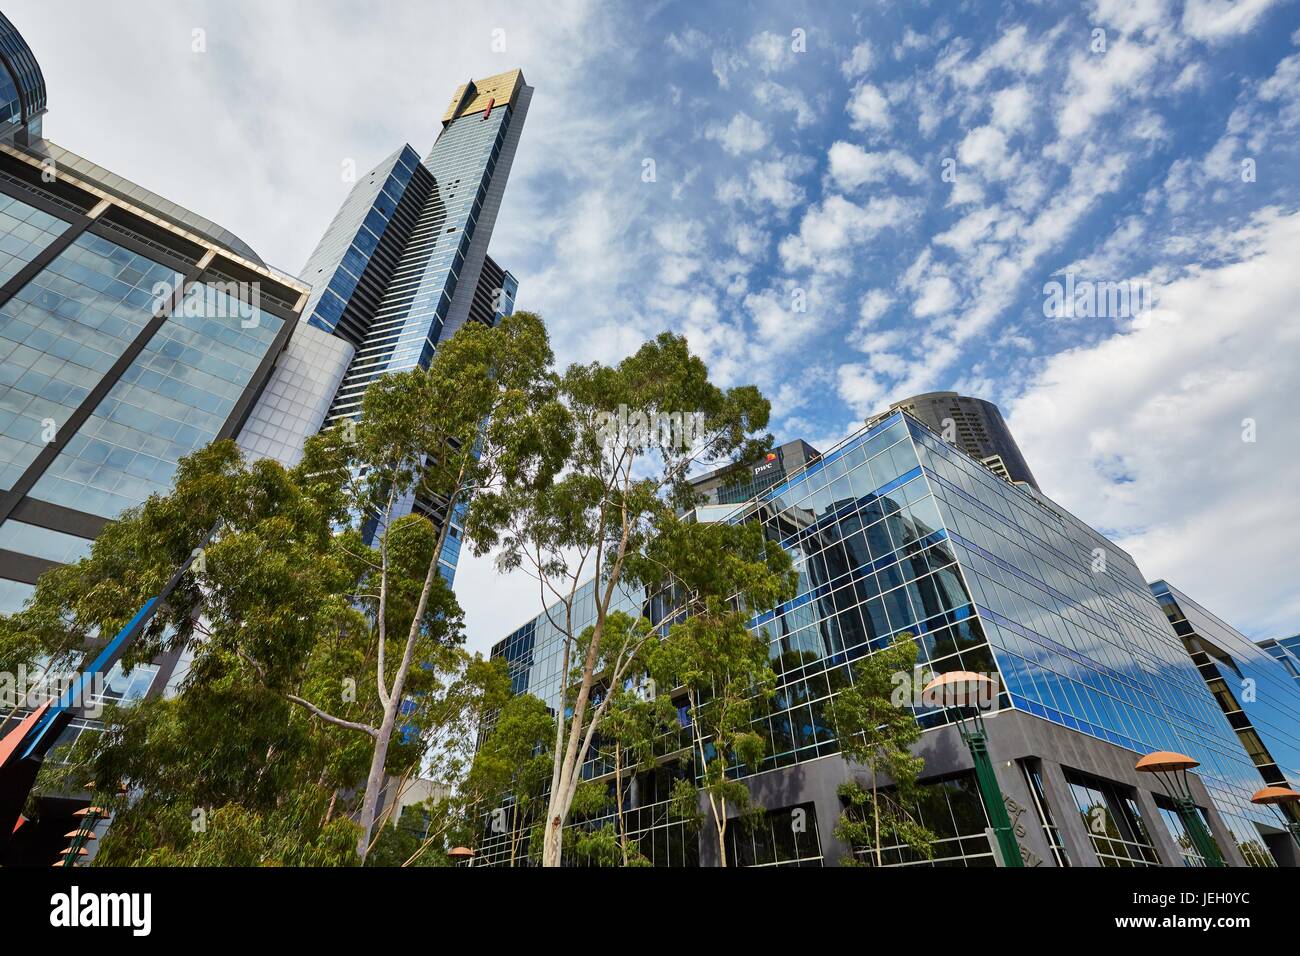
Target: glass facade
pixel 24 232
pixel 416 304
pixel 896 531
pixel 61 333
pixel 1114 823
pixel 172 400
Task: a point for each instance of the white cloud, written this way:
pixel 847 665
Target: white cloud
pixel 874 304
pixel 749 240
pixel 768 182
pixel 860 388
pixel 1143 432
pixel 725 63
pixel 868 109
pixel 831 229
pixel 858 62
pixel 1098 81
pixel 690 43
pixel 771 52
pixel 1012 108
pixel 784 99
pixel 936 295
pixel 1215 20
pixel 743 134
pixel 852 166
pixel 985 149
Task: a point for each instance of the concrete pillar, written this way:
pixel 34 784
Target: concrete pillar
pixel 1078 844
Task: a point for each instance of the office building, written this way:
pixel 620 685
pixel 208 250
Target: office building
pixel 1287 652
pixel 731 485
pixel 403 265
pixel 973 425
pixel 897 531
pixel 1256 690
pixel 132 332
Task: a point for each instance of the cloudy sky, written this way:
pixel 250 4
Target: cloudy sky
pixel 848 206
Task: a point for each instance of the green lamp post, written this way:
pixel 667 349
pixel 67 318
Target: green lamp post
pixel 1170 769
pixel 966 694
pixel 1277 797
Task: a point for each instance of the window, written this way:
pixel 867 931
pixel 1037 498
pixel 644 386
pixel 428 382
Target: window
pixel 1113 823
pixel 1178 830
pixel 784 837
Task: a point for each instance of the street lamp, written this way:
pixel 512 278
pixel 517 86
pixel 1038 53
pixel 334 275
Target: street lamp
pixel 460 854
pixel 1276 797
pixel 966 693
pixel 1170 770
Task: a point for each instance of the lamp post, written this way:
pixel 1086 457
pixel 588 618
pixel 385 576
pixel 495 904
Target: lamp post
pixel 1275 797
pixel 1170 770
pixel 965 692
pixel 460 854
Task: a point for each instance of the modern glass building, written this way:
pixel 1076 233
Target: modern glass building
pixel 129 337
pixel 1257 691
pixel 22 88
pixel 405 263
pixel 896 531
pixel 731 485
pixel 1287 651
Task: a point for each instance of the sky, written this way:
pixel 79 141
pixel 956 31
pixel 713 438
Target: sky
pixel 844 204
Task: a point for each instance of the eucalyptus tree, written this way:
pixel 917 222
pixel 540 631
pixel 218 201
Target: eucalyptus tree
pixel 483 417
pixel 305 576
pixel 636 430
pixel 876 732
pixel 510 770
pixel 724 576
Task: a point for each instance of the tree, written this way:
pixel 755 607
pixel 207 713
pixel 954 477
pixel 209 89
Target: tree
pixel 724 575
pixel 281 598
pixel 877 733
pixel 636 429
pixel 510 770
pixel 482 417
pixel 634 730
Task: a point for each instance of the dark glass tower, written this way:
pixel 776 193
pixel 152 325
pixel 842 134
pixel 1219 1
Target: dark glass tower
pixel 404 263
pixel 976 427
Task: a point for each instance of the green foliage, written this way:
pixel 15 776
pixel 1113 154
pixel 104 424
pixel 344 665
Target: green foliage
pixel 871 821
pixel 600 516
pixel 590 799
pixel 876 733
pixel 513 766
pixel 282 608
pixel 598 847
pixel 726 574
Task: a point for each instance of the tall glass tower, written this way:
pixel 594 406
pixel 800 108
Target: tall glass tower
pixel 404 263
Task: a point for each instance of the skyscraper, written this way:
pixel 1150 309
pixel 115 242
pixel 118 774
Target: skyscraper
pixel 403 265
pixel 973 425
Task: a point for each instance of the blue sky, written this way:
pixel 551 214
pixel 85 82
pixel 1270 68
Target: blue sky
pixel 799 154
